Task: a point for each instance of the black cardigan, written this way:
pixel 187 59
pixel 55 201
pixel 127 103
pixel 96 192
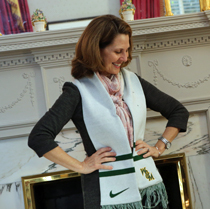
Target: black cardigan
pixel 69 106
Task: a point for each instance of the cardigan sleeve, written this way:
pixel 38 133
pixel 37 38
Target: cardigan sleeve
pixel 42 136
pixel 168 106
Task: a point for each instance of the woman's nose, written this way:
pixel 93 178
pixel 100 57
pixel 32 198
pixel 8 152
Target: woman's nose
pixel 124 57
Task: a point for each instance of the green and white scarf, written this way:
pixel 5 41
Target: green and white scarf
pixel 131 173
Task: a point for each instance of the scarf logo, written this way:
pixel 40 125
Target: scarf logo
pixel 145 172
pixel 114 195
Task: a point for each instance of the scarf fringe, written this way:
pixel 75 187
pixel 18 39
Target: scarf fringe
pixel 133 205
pixel 155 195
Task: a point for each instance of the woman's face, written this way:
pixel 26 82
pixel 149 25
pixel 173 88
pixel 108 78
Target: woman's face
pixel 115 54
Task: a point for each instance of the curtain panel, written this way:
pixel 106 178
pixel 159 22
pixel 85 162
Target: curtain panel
pixel 147 8
pixel 14 17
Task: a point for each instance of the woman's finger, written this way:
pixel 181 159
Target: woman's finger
pixel 146 155
pixel 140 144
pixel 143 150
pixel 107 154
pixel 104 149
pixel 107 159
pixel 105 167
pixel 152 152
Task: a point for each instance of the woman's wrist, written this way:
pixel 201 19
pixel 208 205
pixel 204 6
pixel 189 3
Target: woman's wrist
pixel 161 146
pixel 158 151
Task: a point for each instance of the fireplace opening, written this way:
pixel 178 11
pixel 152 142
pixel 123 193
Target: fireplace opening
pixel 173 169
pixel 62 190
pixel 170 178
pixel 61 194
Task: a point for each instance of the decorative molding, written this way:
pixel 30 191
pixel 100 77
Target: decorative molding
pixel 14 62
pixel 175 42
pixel 28 87
pixel 38 44
pixel 193 84
pixel 170 28
pixel 60 81
pixel 70 36
pixel 36 40
pixel 170 23
pixel 200 105
pixel 16 130
pixel 187 60
pixel 40 58
pixel 207 13
pixel 48 56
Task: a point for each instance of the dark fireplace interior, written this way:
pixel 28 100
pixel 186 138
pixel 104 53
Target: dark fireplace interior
pixel 59 194
pixel 67 193
pixel 169 175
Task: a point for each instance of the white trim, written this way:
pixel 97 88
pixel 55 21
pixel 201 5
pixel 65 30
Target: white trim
pixel 71 36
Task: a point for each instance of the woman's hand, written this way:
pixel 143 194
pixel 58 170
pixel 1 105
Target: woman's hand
pixel 145 148
pixel 94 162
pixel 90 164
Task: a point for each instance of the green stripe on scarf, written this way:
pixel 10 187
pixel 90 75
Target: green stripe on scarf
pixel 138 157
pixel 129 156
pixel 117 172
pixel 124 157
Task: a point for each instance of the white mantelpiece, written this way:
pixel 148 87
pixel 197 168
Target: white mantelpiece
pixel 170 52
pixel 147 27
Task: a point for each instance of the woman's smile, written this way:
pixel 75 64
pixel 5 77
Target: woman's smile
pixel 117 65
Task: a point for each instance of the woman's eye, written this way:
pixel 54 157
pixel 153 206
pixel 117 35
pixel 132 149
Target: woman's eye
pixel 117 52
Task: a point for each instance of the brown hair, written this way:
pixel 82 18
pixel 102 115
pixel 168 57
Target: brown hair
pixel 100 32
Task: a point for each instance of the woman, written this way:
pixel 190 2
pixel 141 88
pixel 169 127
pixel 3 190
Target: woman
pixel 108 106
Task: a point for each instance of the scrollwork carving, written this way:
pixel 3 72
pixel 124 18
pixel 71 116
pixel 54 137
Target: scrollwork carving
pixel 187 61
pixel 192 84
pixel 28 87
pixel 60 81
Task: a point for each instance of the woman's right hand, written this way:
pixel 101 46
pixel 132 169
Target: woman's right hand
pixel 95 161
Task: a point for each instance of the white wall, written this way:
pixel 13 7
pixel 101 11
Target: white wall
pixel 71 9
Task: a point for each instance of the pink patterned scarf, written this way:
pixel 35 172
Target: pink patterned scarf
pixel 115 90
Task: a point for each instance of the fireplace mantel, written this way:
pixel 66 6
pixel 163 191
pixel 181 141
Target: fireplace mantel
pixel 152 26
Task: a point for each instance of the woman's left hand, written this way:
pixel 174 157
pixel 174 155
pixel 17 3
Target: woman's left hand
pixel 143 147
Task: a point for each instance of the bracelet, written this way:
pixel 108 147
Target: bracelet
pixel 158 151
